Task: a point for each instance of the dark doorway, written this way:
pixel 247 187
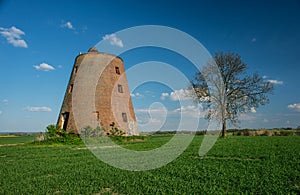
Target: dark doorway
pixel 65 118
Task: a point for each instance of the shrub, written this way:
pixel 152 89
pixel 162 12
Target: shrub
pixel 52 131
pixel 55 135
pixel 90 132
pixel 267 133
pixel 200 132
pixel 237 132
pixel 286 133
pixel 41 137
pixel 115 131
pixel 246 132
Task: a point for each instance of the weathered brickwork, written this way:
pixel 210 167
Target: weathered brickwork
pixel 112 96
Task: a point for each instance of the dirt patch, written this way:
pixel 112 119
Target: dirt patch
pixel 11 144
pixel 106 191
pixel 134 140
pixel 6 136
pixel 95 147
pixel 227 158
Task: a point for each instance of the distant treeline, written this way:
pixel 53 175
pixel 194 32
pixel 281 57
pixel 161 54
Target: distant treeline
pixel 245 132
pixel 202 132
pixel 20 133
pixel 239 132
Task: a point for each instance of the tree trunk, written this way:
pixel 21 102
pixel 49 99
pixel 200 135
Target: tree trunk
pixel 224 128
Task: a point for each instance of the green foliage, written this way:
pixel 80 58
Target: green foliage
pixel 90 132
pixel 235 165
pixel 53 131
pixel 55 135
pixel 277 132
pixel 134 138
pixel 199 132
pixel 245 132
pixel 286 133
pixel 115 131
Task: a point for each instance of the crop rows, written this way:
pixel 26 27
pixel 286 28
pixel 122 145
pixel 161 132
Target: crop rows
pixel 256 165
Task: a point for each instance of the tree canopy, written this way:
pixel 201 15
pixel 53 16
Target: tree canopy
pixel 225 88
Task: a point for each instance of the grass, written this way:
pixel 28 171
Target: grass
pixel 12 139
pixel 253 165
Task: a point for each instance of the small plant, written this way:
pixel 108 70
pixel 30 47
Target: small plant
pixel 87 132
pixel 55 135
pixel 52 131
pixel 90 132
pixel 267 133
pixel 286 133
pixel 41 137
pixel 115 131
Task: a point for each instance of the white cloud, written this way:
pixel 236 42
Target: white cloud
pixel 192 111
pixel 185 108
pixel 276 82
pixel 265 120
pixel 38 109
pixel 155 120
pixel 155 110
pixel 5 102
pixel 152 110
pixel 252 110
pixel 246 117
pixel 158 117
pixel 273 81
pixel 13 36
pixel 44 67
pixel 163 96
pixel 68 25
pixel 295 107
pixel 136 95
pixel 180 95
pixel 114 40
pixel 142 110
pixel 84 28
pixel 152 118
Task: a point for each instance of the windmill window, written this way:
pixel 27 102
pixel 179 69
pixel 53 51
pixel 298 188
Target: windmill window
pixel 71 88
pixel 117 70
pixel 124 116
pixel 96 113
pixel 75 69
pixel 120 88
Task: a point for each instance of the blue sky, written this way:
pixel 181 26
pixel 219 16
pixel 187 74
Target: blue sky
pixel 39 41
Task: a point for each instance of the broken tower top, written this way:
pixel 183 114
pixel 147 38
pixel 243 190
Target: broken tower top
pixel 93 49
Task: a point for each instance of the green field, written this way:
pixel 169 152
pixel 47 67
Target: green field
pixel 11 139
pixel 253 165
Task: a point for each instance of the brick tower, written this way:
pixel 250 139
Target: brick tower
pixel 97 95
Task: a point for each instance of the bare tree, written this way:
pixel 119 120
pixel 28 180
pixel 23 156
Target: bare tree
pixel 225 89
